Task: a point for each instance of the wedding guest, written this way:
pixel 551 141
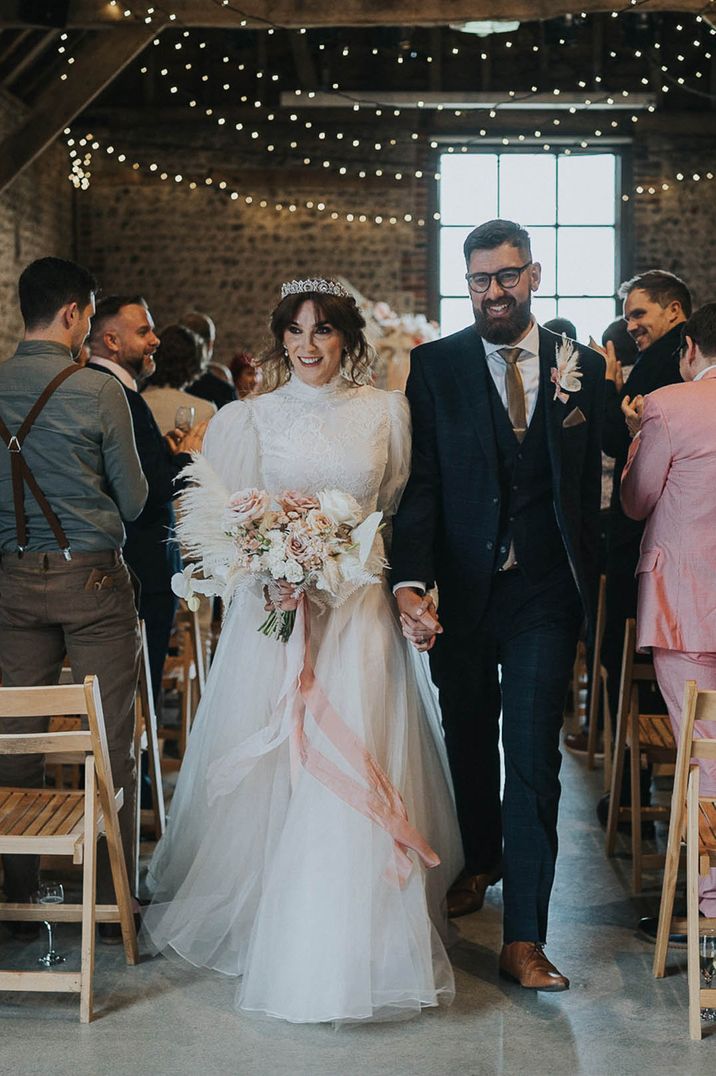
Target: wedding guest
pixel 246 374
pixel 122 340
pixel 216 382
pixel 616 337
pixel 64 583
pixel 669 485
pixel 563 327
pixel 656 304
pixel 501 511
pixel 178 361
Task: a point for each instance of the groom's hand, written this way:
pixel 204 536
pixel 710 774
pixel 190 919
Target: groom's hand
pixel 418 617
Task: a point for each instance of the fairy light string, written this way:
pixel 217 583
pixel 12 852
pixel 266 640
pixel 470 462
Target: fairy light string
pixel 315 155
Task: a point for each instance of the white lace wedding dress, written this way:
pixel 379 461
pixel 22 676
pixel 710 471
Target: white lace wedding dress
pixel 279 880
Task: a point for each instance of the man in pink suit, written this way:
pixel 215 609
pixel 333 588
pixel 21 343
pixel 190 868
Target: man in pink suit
pixel 670 480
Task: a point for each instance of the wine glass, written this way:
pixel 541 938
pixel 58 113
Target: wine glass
pixel 50 893
pixel 707 961
pixel 184 418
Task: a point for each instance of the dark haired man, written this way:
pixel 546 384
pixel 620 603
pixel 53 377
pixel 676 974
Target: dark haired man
pixel 669 483
pixel 656 305
pixel 501 510
pixel 216 383
pixel 122 344
pixel 64 584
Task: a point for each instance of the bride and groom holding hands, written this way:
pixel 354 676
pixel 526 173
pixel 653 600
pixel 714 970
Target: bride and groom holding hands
pixel 285 875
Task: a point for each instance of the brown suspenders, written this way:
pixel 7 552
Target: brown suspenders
pixel 22 474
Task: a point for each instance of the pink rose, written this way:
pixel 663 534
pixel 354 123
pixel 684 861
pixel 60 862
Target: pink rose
pixel 245 505
pixel 298 546
pixel 293 501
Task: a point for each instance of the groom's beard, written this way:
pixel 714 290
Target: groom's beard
pixel 506 329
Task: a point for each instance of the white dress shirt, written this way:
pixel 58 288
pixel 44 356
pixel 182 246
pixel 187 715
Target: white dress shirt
pixel 528 365
pixel 117 370
pixel 705 371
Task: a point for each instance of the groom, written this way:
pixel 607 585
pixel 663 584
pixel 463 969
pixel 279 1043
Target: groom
pixel 501 512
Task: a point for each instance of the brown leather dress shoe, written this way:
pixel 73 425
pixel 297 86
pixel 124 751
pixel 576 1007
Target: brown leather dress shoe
pixel 526 964
pixel 467 894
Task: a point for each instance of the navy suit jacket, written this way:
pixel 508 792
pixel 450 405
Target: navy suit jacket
pixel 446 528
pixel 654 368
pixel 150 549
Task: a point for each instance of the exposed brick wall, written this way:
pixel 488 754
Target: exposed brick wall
pixel 676 229
pixel 35 220
pixel 185 249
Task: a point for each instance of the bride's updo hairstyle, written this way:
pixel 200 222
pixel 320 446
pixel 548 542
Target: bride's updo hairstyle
pixel 341 311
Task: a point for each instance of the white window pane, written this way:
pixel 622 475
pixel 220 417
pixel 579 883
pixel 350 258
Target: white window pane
pixel 455 314
pixel 544 251
pixel 528 188
pixel 585 260
pixel 591 316
pixel 586 189
pixel 468 188
pixel 452 261
pixel 544 309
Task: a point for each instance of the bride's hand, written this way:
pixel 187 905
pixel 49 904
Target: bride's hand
pixel 418 618
pixel 283 598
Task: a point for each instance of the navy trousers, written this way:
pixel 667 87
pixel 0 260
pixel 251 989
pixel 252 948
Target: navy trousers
pixel 518 661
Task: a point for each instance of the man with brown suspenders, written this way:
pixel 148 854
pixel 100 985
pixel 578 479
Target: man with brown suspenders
pixel 69 474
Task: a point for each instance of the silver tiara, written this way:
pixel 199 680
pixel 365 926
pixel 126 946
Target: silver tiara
pixel 323 287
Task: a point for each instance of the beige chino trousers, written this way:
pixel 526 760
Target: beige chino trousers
pixel 85 608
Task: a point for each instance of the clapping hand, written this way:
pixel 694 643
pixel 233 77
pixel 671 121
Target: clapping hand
pixel 613 370
pixel 418 618
pixel 191 441
pixel 633 411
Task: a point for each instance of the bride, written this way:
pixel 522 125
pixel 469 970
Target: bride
pixel 267 872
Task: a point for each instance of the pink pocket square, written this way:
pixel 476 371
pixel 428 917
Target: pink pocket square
pixel 574 418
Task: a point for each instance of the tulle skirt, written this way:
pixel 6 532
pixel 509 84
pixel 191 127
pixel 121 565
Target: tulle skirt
pixel 280 881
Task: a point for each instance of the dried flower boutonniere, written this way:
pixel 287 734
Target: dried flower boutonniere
pixel 566 375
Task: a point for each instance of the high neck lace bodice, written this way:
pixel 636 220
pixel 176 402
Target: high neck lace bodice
pixel 338 436
pixel 338 387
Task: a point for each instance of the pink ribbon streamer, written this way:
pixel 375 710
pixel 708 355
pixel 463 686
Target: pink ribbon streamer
pixel 378 799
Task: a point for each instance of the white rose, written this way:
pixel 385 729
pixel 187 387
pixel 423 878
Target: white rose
pixel 340 507
pixel 293 572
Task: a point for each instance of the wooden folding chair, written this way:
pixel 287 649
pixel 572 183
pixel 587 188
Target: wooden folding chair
pixel 65 767
pixel 700 859
pixel 183 673
pixel 59 822
pixel 146 739
pixel 697 706
pixel 598 690
pixel 648 736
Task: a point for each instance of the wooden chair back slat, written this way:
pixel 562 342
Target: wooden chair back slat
pixel 42 701
pixel 44 743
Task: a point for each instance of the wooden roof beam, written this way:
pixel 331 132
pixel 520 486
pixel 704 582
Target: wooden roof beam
pixel 98 60
pixel 98 14
pixel 30 56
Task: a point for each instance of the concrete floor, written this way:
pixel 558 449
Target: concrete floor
pixel 615 1021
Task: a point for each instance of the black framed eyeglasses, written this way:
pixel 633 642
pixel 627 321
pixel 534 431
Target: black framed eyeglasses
pixel 506 278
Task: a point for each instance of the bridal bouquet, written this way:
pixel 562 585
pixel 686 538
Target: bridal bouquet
pixel 321 543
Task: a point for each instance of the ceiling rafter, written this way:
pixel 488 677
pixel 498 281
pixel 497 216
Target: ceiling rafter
pixel 98 14
pixel 99 58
